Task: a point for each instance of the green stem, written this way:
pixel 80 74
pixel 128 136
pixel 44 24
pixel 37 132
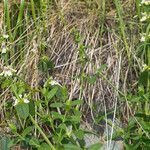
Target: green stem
pixel 122 26
pixel 20 16
pixel 7 18
pixel 42 133
pixel 33 10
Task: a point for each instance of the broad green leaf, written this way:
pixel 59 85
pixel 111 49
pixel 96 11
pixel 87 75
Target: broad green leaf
pixel 52 93
pixel 6 83
pixel 75 119
pixel 144 77
pixel 45 64
pixel 22 110
pixel 32 107
pixel 76 102
pixel 56 115
pixel 34 142
pixel 97 146
pixel 27 131
pixel 55 105
pixel 71 147
pixel 4 143
pixel 144 116
pixel 79 134
pixel 44 146
pixel 62 93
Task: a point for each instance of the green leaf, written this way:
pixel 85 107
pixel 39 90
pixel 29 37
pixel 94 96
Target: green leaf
pixel 97 146
pixel 62 126
pixel 79 134
pixel 4 143
pixel 76 102
pixel 71 147
pixel 91 79
pixel 27 131
pixel 55 105
pixel 75 119
pixel 6 83
pixel 44 146
pixel 13 127
pixel 144 77
pixel 45 64
pixel 34 142
pixel 22 110
pixel 101 68
pixel 62 93
pixel 32 108
pixel 56 115
pixel 144 116
pixel 52 93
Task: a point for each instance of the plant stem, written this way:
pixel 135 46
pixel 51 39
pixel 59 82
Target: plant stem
pixel 42 133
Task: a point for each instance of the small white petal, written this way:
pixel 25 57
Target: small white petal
pixel 4 50
pixel 1 74
pixel 53 82
pixel 20 95
pixel 6 36
pixel 26 100
pixel 143 19
pixel 16 101
pixel 146 2
pixel 142 39
pixel 8 73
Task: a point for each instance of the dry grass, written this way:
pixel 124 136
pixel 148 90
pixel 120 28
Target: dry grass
pixel 62 49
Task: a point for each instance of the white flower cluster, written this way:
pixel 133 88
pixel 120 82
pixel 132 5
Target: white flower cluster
pixel 21 98
pixel 5 36
pixel 7 71
pixel 143 37
pixel 53 82
pixel 145 2
pixel 145 16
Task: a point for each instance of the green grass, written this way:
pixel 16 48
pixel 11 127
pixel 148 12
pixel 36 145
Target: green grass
pixel 77 62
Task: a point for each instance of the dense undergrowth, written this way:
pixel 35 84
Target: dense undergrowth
pixel 71 68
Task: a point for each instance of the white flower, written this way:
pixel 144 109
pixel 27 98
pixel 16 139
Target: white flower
pixel 53 82
pixel 16 101
pixel 144 36
pixel 21 99
pixel 142 39
pixel 145 16
pixel 146 2
pixel 7 71
pixel 5 36
pixel 26 100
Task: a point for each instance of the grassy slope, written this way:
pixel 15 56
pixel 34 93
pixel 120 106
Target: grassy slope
pixel 108 34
